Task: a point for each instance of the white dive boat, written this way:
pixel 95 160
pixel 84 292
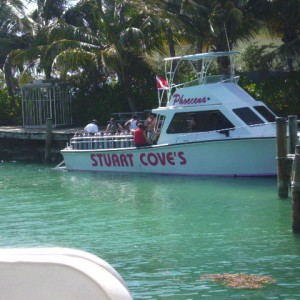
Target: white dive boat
pixel 208 126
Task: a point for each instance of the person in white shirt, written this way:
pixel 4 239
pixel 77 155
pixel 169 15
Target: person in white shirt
pixel 91 128
pixel 132 124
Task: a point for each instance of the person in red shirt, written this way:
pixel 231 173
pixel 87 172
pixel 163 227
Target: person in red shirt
pixel 139 136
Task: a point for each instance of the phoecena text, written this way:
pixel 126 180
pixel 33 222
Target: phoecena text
pixel 180 100
pixel 145 159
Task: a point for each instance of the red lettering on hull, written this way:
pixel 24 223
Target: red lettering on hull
pixel 114 160
pixel 146 159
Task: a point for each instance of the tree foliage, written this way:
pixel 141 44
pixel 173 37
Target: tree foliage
pixel 280 93
pixel 93 41
pixel 282 19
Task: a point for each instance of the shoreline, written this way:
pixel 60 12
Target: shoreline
pixel 29 144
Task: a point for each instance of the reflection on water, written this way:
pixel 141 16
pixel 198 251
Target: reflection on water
pixel 160 232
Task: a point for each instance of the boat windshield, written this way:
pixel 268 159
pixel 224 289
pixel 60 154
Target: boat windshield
pixel 265 112
pixel 248 116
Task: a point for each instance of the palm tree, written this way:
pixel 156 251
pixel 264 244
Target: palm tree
pixel 14 34
pixel 34 53
pixel 15 4
pixel 78 51
pixel 231 22
pixel 183 22
pixel 121 33
pixel 164 15
pixel 44 17
pixel 195 27
pixel 282 18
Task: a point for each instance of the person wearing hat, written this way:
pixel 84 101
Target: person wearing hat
pixel 91 128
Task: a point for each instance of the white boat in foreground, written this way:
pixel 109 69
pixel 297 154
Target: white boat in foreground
pixel 58 273
pixel 208 126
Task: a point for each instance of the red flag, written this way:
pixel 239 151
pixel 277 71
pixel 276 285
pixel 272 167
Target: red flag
pixel 161 83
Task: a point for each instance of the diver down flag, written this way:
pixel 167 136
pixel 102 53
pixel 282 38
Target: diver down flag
pixel 161 83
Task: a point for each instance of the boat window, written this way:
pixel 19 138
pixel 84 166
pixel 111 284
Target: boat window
pixel 266 113
pixel 198 122
pixel 248 116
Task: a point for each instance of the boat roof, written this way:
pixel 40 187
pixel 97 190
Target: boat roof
pixel 201 56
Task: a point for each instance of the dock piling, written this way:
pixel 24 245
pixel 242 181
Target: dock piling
pixel 48 139
pixel 281 145
pixel 293 138
pixel 295 188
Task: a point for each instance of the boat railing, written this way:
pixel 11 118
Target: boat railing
pixel 220 78
pixel 208 80
pixel 101 142
pixel 256 130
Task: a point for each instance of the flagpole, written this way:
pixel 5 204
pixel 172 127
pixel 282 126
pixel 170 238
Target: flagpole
pixel 158 96
pixel 161 85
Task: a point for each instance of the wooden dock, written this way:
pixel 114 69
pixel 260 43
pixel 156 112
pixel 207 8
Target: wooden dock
pixel 288 165
pixel 41 144
pixel 19 132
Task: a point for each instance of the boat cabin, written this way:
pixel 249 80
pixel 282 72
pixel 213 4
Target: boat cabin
pixel 195 103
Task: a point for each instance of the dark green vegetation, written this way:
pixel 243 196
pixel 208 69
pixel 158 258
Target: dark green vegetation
pixel 92 42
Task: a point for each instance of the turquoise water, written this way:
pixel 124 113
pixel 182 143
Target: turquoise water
pixel 161 233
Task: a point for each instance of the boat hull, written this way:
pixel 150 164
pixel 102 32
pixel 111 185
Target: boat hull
pixel 234 157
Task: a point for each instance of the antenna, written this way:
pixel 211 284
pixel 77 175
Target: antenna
pixel 230 57
pixel 226 37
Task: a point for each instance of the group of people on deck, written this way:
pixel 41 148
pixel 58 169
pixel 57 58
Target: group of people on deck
pixel 143 133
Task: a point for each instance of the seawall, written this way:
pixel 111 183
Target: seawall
pixel 29 144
